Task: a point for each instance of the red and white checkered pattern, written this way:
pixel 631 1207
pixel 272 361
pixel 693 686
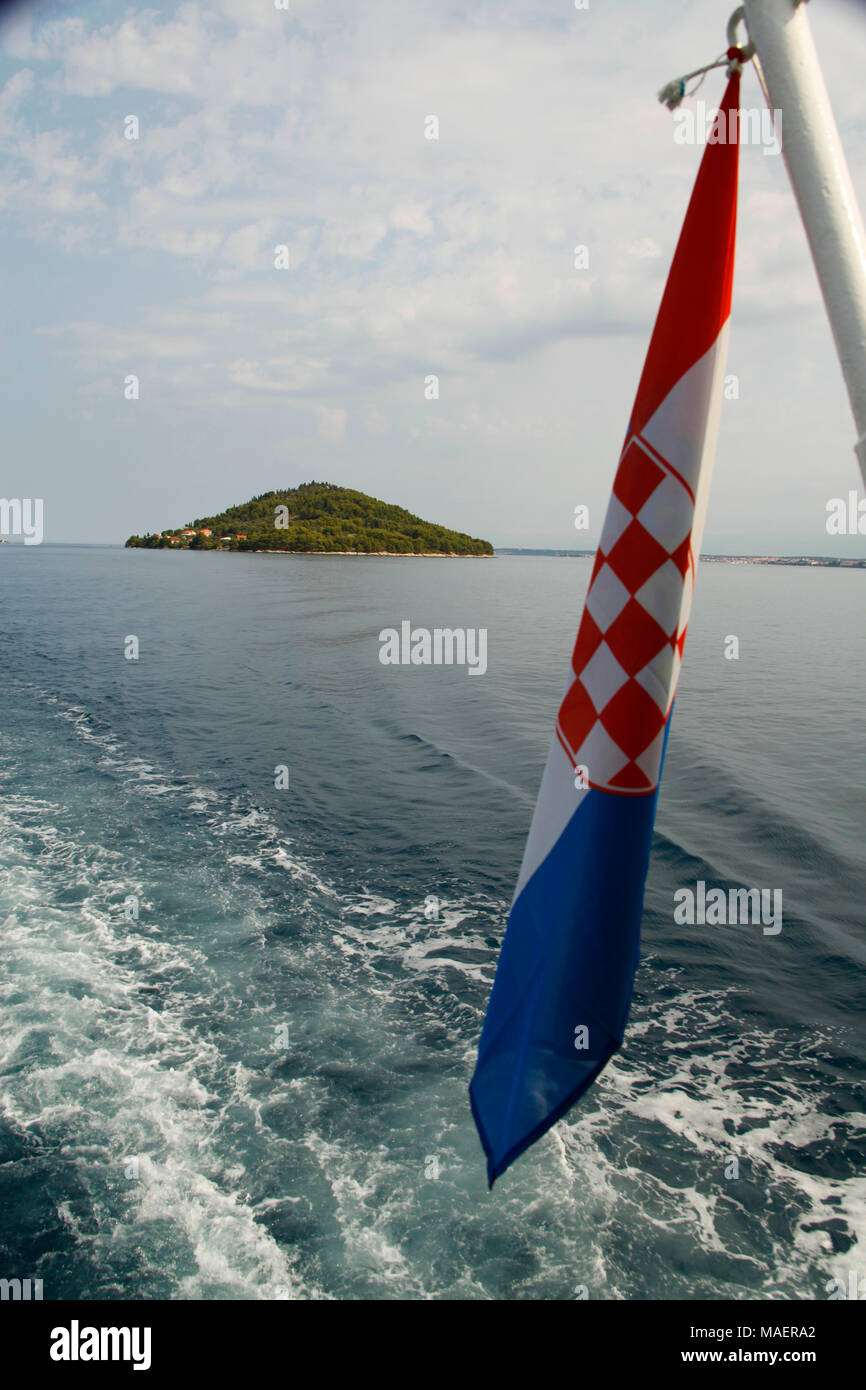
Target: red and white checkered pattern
pixel 630 643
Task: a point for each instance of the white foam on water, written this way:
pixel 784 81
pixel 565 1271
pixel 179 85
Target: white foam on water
pixel 715 1116
pixel 359 1183
pixel 420 943
pixel 90 1066
pixel 371 905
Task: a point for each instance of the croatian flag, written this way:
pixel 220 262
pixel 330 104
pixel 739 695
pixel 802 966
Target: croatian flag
pixel 563 985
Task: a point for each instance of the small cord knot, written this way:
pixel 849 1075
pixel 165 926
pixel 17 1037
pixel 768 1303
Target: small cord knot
pixel 673 93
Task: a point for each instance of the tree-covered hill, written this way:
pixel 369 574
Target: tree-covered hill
pixel 316 517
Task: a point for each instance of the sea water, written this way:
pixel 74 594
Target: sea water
pixel 252 889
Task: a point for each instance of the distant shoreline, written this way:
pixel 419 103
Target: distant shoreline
pixel 807 561
pixel 822 562
pixel 801 561
pixel 371 554
pixel 804 561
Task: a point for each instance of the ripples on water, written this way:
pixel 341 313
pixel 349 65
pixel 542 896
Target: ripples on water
pixel 238 1094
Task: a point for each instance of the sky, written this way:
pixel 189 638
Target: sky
pixel 408 257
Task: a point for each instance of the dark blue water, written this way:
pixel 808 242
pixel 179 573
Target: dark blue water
pixel 248 1090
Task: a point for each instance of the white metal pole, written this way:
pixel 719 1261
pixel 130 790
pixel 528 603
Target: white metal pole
pixel 822 184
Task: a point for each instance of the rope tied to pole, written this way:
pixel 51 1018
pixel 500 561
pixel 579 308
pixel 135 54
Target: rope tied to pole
pixel 674 91
pixel 734 57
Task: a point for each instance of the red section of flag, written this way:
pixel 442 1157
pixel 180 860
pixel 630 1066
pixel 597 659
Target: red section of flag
pixel 631 638
pixel 681 337
pixel 634 638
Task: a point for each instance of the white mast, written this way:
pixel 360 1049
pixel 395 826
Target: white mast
pixel 793 84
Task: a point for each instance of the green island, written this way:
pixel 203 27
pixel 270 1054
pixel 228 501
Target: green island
pixel 316 518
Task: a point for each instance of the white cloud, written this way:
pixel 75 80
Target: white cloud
pixel 18 86
pixel 330 424
pixel 412 217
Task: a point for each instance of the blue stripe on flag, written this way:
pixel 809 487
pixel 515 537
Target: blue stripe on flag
pixel 568 961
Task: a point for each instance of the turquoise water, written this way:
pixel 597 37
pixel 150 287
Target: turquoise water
pixel 256 1086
